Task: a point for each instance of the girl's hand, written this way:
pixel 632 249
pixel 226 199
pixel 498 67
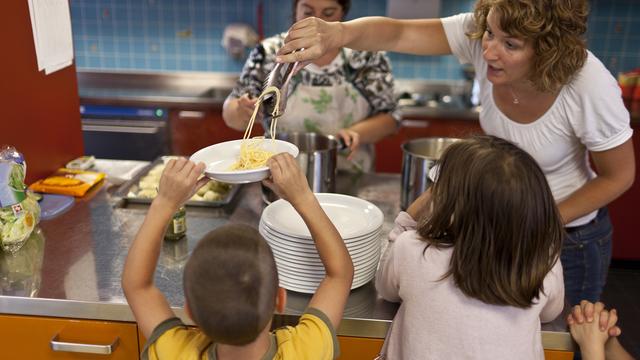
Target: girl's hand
pixel 586 312
pixel 351 140
pixel 421 206
pixel 287 180
pixel 179 182
pixel 312 37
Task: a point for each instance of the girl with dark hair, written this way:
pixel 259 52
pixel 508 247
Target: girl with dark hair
pixel 475 260
pixel 539 88
pixel 345 92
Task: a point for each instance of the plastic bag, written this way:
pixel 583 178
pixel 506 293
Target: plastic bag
pixel 19 211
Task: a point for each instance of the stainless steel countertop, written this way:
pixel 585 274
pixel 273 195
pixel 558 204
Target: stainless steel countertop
pixel 73 270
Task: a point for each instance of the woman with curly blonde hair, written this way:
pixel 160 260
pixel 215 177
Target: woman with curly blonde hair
pixel 540 88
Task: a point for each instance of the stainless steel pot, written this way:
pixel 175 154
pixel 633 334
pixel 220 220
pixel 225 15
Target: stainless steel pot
pixel 317 159
pixel 419 156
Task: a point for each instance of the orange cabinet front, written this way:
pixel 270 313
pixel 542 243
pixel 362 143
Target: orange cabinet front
pixel 27 337
pixel 357 348
pixel 194 130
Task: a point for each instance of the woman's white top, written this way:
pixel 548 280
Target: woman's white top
pixel 437 321
pixel 588 115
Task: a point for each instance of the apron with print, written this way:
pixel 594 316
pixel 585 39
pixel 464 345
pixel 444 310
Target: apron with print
pixel 326 110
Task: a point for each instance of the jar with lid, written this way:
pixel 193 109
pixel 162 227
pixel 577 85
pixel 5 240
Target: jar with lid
pixel 177 227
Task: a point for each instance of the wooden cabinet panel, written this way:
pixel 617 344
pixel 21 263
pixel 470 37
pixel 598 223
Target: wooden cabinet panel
pixel 358 348
pixel 26 337
pixel 40 113
pixel 193 130
pixel 558 355
pixel 389 151
pixel 624 212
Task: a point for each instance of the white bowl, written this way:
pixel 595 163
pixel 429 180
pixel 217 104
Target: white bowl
pixel 220 157
pixel 353 217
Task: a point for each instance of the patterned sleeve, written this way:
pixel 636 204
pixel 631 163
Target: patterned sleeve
pixel 253 73
pixel 374 80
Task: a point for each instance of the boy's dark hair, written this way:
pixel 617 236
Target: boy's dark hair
pixel 492 204
pixel 231 283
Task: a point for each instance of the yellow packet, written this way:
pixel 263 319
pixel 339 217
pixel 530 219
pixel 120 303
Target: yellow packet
pixel 68 182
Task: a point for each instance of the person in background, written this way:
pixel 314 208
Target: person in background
pixel 539 88
pixel 478 250
pixel 231 283
pixel 344 92
pixel 594 329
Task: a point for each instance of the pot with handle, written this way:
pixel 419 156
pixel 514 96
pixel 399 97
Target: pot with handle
pixel 317 159
pixel 418 157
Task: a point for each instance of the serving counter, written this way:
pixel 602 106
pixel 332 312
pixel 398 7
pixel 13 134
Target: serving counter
pixel 75 269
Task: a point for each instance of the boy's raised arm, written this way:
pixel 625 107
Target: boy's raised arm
pixel 149 306
pixel 290 184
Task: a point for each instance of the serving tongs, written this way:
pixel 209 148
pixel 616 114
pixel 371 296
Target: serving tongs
pixel 279 77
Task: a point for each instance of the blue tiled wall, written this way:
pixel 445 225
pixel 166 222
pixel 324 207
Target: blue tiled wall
pixel 185 35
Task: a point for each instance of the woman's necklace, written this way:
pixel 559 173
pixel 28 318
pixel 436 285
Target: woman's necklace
pixel 516 101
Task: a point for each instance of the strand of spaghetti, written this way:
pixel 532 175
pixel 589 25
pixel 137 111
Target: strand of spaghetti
pixel 274 113
pixel 251 154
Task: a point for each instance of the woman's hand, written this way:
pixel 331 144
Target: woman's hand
pixel 246 106
pixel 237 111
pixel 313 38
pixel 351 140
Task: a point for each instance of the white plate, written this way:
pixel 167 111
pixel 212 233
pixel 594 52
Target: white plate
pixel 310 261
pixel 307 245
pixel 220 157
pixel 286 251
pixel 349 242
pixel 352 217
pixel 309 240
pixel 309 287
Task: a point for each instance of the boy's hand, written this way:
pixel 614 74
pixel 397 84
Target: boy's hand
pixel 287 180
pixel 179 182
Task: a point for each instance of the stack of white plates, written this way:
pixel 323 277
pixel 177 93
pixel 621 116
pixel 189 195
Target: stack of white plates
pixel 359 222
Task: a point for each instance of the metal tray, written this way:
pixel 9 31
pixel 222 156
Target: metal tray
pixel 132 186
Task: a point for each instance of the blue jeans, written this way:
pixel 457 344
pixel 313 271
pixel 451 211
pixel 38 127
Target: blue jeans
pixel 586 255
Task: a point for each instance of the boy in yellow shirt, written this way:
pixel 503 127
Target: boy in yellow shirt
pixel 230 281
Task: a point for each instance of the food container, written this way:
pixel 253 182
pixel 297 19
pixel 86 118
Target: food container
pixel 143 188
pixel 317 159
pixel 419 156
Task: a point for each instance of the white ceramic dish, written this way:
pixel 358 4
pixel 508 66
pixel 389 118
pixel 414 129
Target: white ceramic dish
pixel 309 287
pixel 220 157
pixel 352 217
pixel 349 242
pixel 311 255
pixel 307 245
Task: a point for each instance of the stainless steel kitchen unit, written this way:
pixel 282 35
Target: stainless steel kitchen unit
pixel 125 132
pixel 85 248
